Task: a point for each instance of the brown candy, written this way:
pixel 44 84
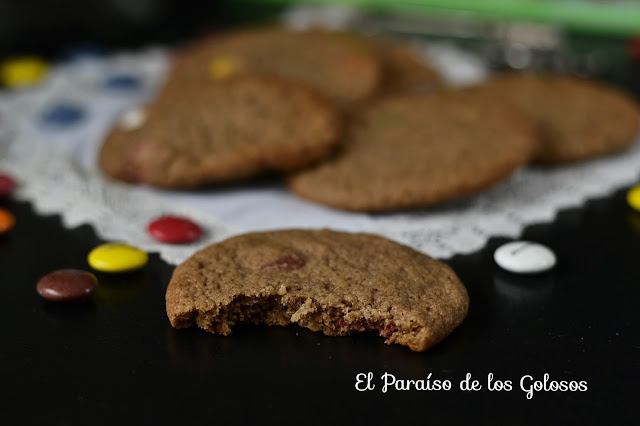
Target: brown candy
pixel 67 285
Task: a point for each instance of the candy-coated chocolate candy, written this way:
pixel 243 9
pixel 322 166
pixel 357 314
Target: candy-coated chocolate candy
pixel 123 82
pixel 222 67
pixel 63 115
pixel 117 257
pixel 7 221
pixel 23 71
pixel 174 229
pixel 524 257
pixel 7 184
pixel 133 119
pixel 67 285
pixel 633 197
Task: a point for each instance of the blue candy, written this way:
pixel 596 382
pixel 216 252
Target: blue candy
pixel 63 115
pixel 123 82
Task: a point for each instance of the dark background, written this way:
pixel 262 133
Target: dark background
pixel 49 27
pixel 116 359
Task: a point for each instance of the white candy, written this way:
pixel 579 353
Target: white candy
pixel 133 119
pixel 524 257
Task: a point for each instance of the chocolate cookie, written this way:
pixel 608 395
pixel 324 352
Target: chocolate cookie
pixel 576 119
pixel 343 68
pixel 333 282
pixel 414 151
pixel 218 132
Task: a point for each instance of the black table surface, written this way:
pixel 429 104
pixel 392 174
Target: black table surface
pixel 117 360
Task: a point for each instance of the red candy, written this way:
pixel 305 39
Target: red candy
pixel 634 48
pixel 7 184
pixel 174 229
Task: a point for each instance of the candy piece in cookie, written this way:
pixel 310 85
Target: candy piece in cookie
pixel 333 282
pixel 576 119
pixel 416 151
pixel 208 133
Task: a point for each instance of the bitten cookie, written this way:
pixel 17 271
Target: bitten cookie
pixel 414 151
pixel 341 67
pixel 219 132
pixel 576 119
pixel 333 282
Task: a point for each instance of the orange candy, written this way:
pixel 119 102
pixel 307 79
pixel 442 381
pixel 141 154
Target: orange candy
pixel 7 221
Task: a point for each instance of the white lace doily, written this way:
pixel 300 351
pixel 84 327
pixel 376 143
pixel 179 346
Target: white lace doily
pixel 56 170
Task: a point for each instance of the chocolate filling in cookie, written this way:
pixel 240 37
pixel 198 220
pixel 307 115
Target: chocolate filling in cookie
pixel 276 310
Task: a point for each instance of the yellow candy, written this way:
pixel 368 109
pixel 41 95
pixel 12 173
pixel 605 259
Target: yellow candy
pixel 633 197
pixel 116 257
pixel 221 67
pixel 22 72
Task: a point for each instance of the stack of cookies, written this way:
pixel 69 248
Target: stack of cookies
pixel 354 123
